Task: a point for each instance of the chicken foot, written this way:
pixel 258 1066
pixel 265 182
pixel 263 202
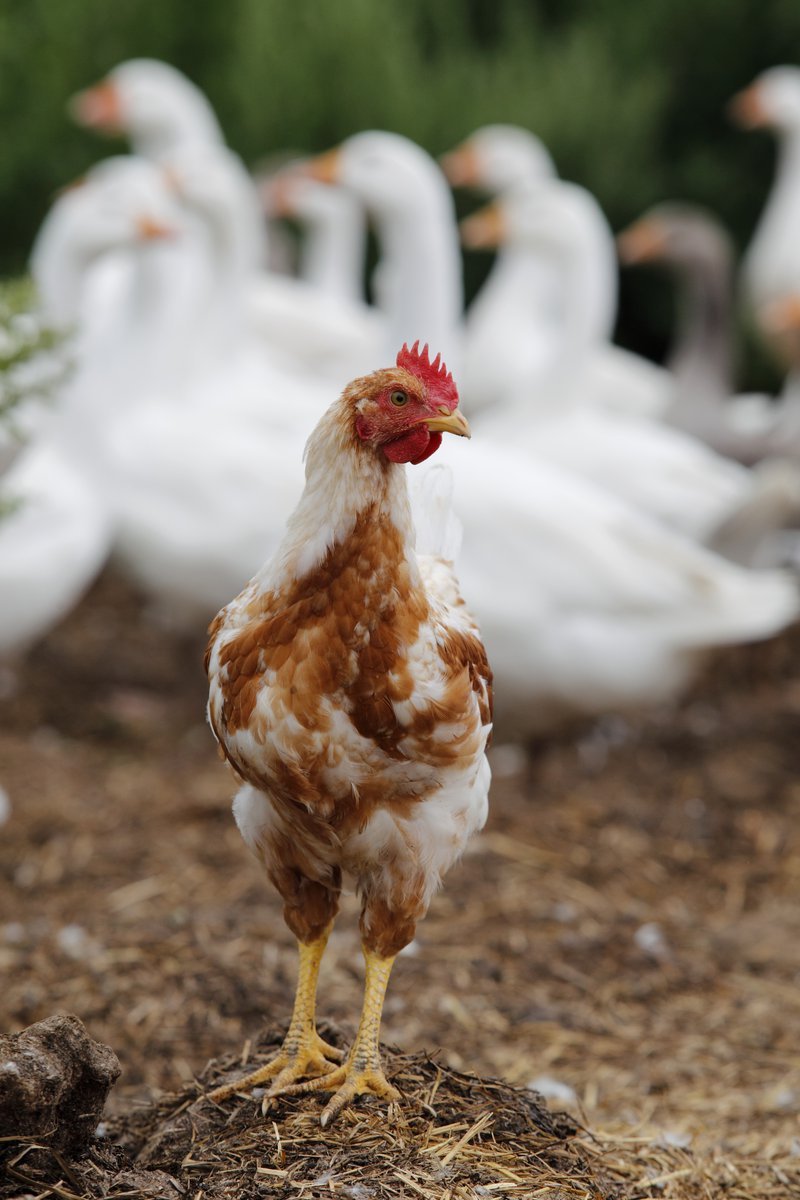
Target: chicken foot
pixel 361 1073
pixel 303 1051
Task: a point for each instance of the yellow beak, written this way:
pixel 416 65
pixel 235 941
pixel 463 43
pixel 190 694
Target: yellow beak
pixel 484 229
pixel 641 242
pixel 746 108
pixel 150 229
pixel 782 316
pixel 325 168
pixel 449 422
pixel 461 166
pixel 98 107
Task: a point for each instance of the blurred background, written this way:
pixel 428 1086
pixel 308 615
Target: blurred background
pixel 630 101
pixel 625 932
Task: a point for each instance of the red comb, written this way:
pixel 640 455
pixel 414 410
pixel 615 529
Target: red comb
pixel 434 375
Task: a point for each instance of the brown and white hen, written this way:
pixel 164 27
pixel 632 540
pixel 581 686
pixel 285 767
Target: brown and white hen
pixel 349 689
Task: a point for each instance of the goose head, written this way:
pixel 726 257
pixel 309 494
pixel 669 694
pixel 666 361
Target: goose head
pixel 553 217
pixel 292 193
pixel 418 281
pixel 772 101
pixel 390 174
pixel 678 235
pixel 151 102
pixel 497 159
pixel 562 224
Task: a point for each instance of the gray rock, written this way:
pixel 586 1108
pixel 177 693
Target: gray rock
pixel 54 1080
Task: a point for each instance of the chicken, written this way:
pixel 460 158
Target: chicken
pixel 350 691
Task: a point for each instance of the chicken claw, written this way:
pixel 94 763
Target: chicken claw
pixel 346 1082
pixel 296 1059
pixel 362 1073
pixel 303 1052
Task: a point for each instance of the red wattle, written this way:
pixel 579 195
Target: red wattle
pixel 434 442
pixel 414 446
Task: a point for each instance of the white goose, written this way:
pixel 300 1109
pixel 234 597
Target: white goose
pixel 497 159
pixel 771 265
pixel 151 102
pixel 149 437
pixel 660 471
pixel 168 119
pixel 203 467
pixel 58 532
pixel 54 539
pixel 289 324
pixel 82 265
pixel 417 284
pixel 512 327
pixel 216 192
pixel 542 300
pixel 586 606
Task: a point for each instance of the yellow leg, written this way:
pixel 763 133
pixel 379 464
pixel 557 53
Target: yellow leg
pixel 362 1071
pixel 303 1051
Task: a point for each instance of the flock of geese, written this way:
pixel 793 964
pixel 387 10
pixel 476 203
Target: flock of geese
pixel 619 518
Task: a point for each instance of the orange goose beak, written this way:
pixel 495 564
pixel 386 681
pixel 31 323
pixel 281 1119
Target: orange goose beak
pixel 643 241
pixel 747 110
pixel 461 166
pixel 98 107
pixel 151 230
pixel 485 229
pixel 325 168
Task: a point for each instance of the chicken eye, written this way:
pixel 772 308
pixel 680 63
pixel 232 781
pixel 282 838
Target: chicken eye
pixel 399 398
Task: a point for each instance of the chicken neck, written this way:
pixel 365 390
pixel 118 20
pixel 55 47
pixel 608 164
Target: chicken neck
pixel 343 480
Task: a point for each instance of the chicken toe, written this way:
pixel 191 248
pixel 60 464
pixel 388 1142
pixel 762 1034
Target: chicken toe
pixel 362 1073
pixel 303 1052
pixel 297 1059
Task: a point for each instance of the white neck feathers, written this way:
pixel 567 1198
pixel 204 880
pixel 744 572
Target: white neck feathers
pixel 343 480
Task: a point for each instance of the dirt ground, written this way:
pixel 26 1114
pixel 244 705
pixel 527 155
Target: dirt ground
pixel 625 934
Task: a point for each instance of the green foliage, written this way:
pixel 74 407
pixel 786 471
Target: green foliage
pixel 33 359
pixel 630 98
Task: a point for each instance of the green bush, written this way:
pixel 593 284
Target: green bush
pixel 629 98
